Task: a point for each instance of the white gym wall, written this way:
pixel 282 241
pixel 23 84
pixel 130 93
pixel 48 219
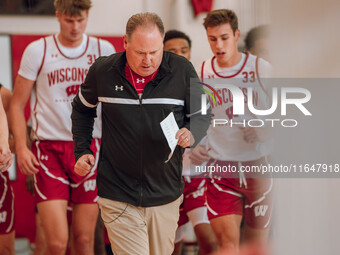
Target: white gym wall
pixel 305 43
pixel 109 17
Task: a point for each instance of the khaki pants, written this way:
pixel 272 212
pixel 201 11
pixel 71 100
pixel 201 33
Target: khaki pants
pixel 140 230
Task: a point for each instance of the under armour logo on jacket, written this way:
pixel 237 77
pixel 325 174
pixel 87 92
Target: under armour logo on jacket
pixel 140 80
pixel 119 88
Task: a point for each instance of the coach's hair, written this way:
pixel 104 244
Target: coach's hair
pixel 219 17
pixel 72 7
pixel 144 19
pixel 173 34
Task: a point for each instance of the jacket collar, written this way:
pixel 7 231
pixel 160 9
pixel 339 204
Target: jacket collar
pixel 119 65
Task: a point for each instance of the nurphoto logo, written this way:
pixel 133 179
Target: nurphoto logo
pixel 242 98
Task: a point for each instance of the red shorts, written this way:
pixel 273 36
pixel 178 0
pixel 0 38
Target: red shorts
pixel 193 197
pixel 6 205
pixel 250 197
pixel 56 178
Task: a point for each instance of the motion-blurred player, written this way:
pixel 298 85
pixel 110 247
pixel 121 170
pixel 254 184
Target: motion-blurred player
pixel 193 207
pixel 230 198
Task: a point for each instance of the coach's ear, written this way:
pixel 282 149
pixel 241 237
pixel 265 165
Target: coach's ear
pixel 125 41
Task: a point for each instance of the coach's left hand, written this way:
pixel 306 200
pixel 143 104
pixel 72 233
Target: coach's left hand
pixel 185 138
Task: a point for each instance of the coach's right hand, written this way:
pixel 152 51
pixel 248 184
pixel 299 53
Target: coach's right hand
pixel 27 162
pixel 84 164
pixel 199 155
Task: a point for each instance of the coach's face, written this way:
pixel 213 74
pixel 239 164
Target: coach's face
pixel 144 49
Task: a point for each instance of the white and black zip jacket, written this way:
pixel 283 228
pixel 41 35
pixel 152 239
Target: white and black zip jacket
pixel 134 149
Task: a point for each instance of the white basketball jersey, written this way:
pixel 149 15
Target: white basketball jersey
pixel 57 83
pixel 225 142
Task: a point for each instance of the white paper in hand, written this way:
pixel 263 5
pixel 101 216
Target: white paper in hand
pixel 170 128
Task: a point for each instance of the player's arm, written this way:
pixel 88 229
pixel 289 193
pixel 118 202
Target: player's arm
pixel 6 158
pixel 6 96
pixel 84 107
pixel 27 162
pixel 106 48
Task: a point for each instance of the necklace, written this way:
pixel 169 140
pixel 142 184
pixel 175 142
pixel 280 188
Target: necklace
pixel 145 79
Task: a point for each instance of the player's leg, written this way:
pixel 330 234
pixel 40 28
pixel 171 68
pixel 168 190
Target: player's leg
pixel 227 231
pixel 178 248
pixel 258 210
pixel 7 243
pixel 84 214
pixel 253 235
pixel 83 227
pixel 206 238
pixel 52 214
pixel 225 211
pixel 52 193
pixel 179 236
pixel 194 205
pixel 99 243
pixel 7 233
pixel 40 239
pixel 85 208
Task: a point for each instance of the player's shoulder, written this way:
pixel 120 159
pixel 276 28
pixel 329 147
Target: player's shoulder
pixel 252 59
pixel 34 51
pixel 264 68
pixel 36 46
pixel 263 62
pixel 105 43
pixel 206 63
pixel 105 46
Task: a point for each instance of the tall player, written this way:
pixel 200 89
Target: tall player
pixel 232 198
pixel 52 70
pixel 193 207
pixel 7 233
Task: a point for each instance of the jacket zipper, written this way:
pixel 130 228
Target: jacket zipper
pixel 141 140
pixel 141 153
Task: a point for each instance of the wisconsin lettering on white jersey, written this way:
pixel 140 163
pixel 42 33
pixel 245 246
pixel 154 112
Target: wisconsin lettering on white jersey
pixel 57 82
pixel 225 142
